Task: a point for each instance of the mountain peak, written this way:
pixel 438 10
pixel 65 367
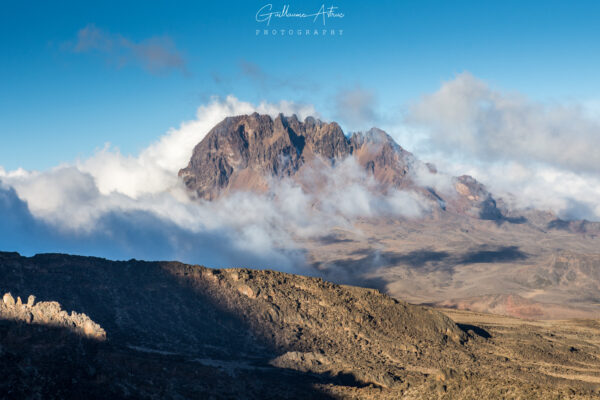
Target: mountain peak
pixel 243 152
pixel 246 152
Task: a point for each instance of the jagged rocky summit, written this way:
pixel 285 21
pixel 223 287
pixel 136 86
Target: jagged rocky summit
pixel 242 152
pixel 248 152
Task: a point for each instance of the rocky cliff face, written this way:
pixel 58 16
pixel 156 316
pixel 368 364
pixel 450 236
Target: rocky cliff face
pixel 248 152
pixel 382 157
pixel 243 152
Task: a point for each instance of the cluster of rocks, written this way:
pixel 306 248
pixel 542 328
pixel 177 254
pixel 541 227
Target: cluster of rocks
pixel 475 200
pixel 48 313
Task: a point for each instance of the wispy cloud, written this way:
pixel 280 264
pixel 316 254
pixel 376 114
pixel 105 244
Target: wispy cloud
pixel 467 115
pixel 356 107
pixel 252 71
pixel 270 82
pixel 154 54
pixel 541 155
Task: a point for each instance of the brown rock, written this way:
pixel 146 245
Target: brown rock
pixel 8 300
pixel 249 152
pixel 244 152
pixel 247 291
pixel 50 313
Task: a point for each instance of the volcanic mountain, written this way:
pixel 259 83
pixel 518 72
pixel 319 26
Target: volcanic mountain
pixel 246 153
pixel 470 250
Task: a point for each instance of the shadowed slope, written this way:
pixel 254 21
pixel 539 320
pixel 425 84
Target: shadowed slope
pixel 242 322
pixel 176 330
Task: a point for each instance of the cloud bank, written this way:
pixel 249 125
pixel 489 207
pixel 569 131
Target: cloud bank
pixel 123 206
pixel 466 115
pixel 542 155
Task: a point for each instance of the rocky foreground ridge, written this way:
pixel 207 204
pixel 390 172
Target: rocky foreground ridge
pixel 183 331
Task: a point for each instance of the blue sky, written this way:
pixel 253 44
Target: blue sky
pixel 58 103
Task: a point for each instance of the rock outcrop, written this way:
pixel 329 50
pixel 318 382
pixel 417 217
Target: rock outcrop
pixel 49 313
pixel 474 199
pixel 383 158
pixel 244 152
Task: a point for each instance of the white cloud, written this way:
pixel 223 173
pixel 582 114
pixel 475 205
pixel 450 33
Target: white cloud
pixel 542 155
pixel 122 206
pixel 466 115
pixel 348 191
pixel 155 169
pixel 355 107
pixel 568 194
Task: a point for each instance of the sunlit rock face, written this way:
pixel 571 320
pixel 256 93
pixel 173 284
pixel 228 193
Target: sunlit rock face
pixel 255 152
pixel 49 313
pixel 244 152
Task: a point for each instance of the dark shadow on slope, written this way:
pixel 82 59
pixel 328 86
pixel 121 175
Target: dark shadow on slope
pixel 489 211
pixel 417 258
pixel 38 361
pixel 434 260
pixel 575 226
pixel 155 321
pixel 359 271
pixel 373 282
pixel 332 239
pixel 485 254
pixel 420 258
pixel 348 379
pixel 559 224
pixel 515 220
pixel 466 328
pixel 298 141
pixel 349 272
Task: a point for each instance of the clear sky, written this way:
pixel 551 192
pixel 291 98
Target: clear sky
pixel 75 75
